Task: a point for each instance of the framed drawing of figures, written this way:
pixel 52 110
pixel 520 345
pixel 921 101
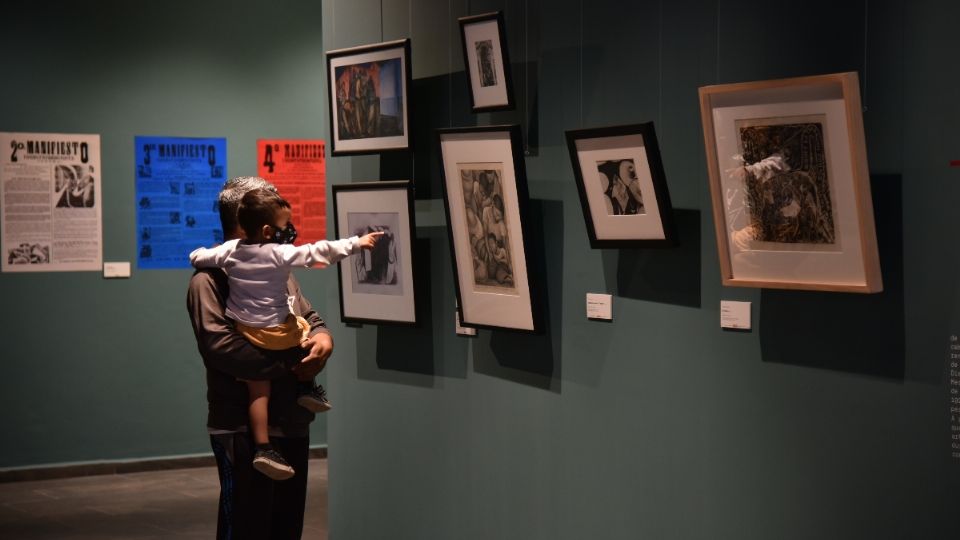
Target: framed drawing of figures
pixel 488 65
pixel 485 197
pixel 377 285
pixel 368 91
pixel 622 187
pixel 790 185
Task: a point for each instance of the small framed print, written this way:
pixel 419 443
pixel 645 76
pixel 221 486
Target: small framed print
pixel 790 184
pixel 377 285
pixel 368 90
pixel 488 64
pixel 485 198
pixel 623 191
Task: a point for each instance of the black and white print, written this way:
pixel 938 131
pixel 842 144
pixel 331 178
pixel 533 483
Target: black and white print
pixel 487 228
pixel 376 271
pixel 787 190
pixel 621 187
pixel 74 186
pixel 486 62
pixel 29 253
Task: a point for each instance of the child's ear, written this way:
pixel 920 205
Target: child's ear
pixel 265 232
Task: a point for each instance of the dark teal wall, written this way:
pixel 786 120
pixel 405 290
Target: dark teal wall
pixel 829 420
pixel 97 369
pixel 659 425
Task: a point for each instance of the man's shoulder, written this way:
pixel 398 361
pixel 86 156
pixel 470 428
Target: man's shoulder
pixel 208 278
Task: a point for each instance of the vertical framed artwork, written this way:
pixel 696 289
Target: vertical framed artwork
pixel 486 202
pixel 790 184
pixel 377 285
pixel 623 190
pixel 368 91
pixel 486 59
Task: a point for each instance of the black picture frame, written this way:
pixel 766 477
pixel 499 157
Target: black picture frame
pixel 352 116
pixel 499 95
pixel 518 305
pixel 622 225
pixel 379 303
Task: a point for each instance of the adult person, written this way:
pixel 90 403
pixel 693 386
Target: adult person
pixel 252 506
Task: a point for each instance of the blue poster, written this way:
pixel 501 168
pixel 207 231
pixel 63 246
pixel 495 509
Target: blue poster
pixel 178 179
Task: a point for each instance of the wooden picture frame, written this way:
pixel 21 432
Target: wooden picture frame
pixel 377 286
pixel 486 202
pixel 487 61
pixel 368 91
pixel 622 186
pixel 790 185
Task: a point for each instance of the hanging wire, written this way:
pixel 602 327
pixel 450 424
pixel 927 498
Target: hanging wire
pixel 413 155
pixel 866 16
pixel 660 69
pixel 581 64
pixel 718 42
pixel 526 75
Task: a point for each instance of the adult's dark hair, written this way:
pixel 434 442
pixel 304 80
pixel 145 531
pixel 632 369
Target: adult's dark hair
pixel 229 199
pixel 259 207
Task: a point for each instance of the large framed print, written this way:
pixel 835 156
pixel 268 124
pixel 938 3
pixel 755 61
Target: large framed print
pixel 790 185
pixel 377 285
pixel 623 190
pixel 488 65
pixel 368 90
pixel 486 202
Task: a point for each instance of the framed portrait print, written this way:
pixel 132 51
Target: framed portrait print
pixel 488 65
pixel 790 184
pixel 622 187
pixel 377 285
pixel 368 91
pixel 485 198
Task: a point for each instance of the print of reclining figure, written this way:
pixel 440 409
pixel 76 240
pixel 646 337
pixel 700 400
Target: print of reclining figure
pixel 379 265
pixel 785 178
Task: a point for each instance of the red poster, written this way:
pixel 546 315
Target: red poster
pixel 298 168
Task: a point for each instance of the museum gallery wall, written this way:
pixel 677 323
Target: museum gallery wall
pixel 651 153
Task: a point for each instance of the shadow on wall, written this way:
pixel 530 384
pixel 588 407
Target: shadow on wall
pixel 856 333
pixel 416 355
pixel 533 360
pixel 442 101
pixel 665 275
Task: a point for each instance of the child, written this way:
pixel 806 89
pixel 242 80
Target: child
pixel 257 268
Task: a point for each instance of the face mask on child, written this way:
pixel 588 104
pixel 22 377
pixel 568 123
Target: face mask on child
pixel 286 235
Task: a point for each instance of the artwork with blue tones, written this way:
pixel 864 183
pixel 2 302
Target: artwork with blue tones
pixel 178 179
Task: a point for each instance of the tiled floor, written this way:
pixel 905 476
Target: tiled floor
pixel 157 505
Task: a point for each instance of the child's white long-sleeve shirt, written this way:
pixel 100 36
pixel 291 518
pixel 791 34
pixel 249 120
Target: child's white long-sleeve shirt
pixel 258 273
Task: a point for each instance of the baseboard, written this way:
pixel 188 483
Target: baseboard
pixel 94 468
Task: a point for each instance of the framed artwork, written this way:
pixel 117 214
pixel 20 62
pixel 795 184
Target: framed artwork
pixel 485 198
pixel 790 184
pixel 368 90
pixel 623 190
pixel 488 65
pixel 377 285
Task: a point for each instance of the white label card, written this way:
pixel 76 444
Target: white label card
pixel 116 269
pixel 462 330
pixel 735 315
pixel 600 306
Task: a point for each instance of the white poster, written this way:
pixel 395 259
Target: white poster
pixel 50 205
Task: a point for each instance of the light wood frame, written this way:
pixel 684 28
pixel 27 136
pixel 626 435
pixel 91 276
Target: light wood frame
pixel 854 263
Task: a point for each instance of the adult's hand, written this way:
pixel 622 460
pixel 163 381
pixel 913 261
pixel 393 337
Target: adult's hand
pixel 319 348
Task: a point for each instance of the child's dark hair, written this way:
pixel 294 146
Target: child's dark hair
pixel 259 207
